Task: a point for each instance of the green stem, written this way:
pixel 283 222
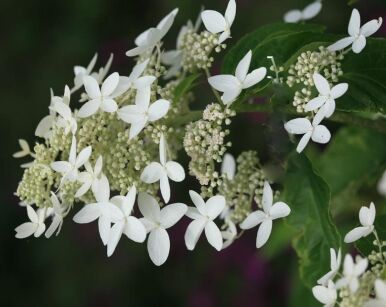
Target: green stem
pixel 216 94
pixel 379 245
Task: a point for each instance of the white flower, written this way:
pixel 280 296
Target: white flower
pixel 366 218
pixel 163 171
pixel 230 234
pixel 217 23
pixel 103 97
pixel 156 222
pixel 270 212
pixel 90 177
pixel 25 150
pixel 104 210
pixel 380 295
pixel 228 166
pixel 326 295
pixel 66 120
pixel 382 185
pixel 136 81
pixel 351 272
pixel 318 133
pixel 309 12
pixel 148 39
pixel 59 211
pixel 334 266
pixel 101 74
pixel 80 72
pixel 231 85
pixel 142 112
pixel 69 169
pixel 203 216
pixel 325 102
pixel 357 33
pixel 126 224
pixel 36 225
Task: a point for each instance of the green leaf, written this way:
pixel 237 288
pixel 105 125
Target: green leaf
pixel 185 85
pixel 308 196
pixel 353 155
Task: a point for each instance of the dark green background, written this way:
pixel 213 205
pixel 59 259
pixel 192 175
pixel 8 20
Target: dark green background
pixel 40 42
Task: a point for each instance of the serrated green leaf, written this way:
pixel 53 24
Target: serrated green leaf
pixel 308 196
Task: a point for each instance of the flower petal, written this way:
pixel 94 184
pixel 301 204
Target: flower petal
pixel 134 229
pixel 293 16
pixel 243 66
pixel 224 83
pixel 298 126
pixel 214 22
pixel 149 207
pixel 230 12
pixel 279 210
pixel 321 134
pixel 198 201
pixel 109 105
pixel 92 87
pixel 321 84
pixel 339 90
pixel 83 156
pixel 315 103
pixel 193 233
pixel 254 77
pixel 164 187
pixel 152 172
pixel 311 10
pixel 89 108
pixel 25 230
pixel 175 171
pixel 110 84
pixel 87 214
pixel 158 246
pixel 214 206
pixel 355 23
pixel 341 44
pixel 263 233
pixel 61 166
pixel 253 219
pixel 115 235
pixel 213 235
pixel 267 198
pixel 355 234
pixel 171 214
pixel 359 44
pixel 369 28
pixel 158 109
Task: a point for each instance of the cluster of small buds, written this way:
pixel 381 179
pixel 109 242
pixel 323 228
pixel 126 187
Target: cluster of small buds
pixel 197 48
pixel 205 144
pixel 310 62
pixel 154 67
pixel 246 186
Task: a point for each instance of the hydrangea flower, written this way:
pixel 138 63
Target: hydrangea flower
pixel 125 222
pixel 231 85
pixel 156 222
pixel 326 295
pixel 90 177
pixel 70 169
pixel 309 12
pixel 163 170
pixel 25 150
pixel 318 133
pixel 36 225
pixel 265 217
pixel 335 263
pixel 103 209
pixel 380 295
pixel 59 211
pixel 351 272
pixel 366 218
pixel 81 72
pixel 102 97
pixel 357 33
pixel 216 23
pixel 325 102
pixel 229 235
pixel 142 112
pixel 148 39
pixel 203 216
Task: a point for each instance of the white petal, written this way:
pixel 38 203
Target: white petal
pixel 267 198
pixel 311 10
pixel 324 295
pixel 137 127
pixel 193 233
pixel 293 16
pixel 62 109
pixel 230 96
pixel 165 24
pixel 144 82
pixel 214 206
pixel 158 109
pixel 369 28
pixel 321 134
pixel 298 126
pixel 158 246
pixel 355 23
pixel 171 214
pixel 129 200
pixel 303 142
pixel 136 51
pixel 380 289
pixel 165 187
pixel 223 36
pixel 135 230
pixel 44 126
pixel 25 230
pixel 243 66
pixel 89 108
pixel 193 213
pixel 123 85
pixel 213 235
pixel 175 171
pixel 253 219
pixel 92 87
pixel 55 224
pixel 214 22
pixel 339 90
pixel 114 237
pixel 110 84
pixel 360 267
pixel 83 156
pixel 228 166
pixel 138 70
pixel 279 210
pixel 355 234
pixel 341 44
pixel 104 224
pixel 87 214
pixel 263 233
pixel 315 103
pixel 109 105
pixel 61 166
pixel 254 77
pixel 359 44
pixel 230 12
pixel 148 207
pixel 198 201
pixel 102 194
pixel 162 150
pixel 224 83
pixel 152 172
pixel 321 84
pixel 32 215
